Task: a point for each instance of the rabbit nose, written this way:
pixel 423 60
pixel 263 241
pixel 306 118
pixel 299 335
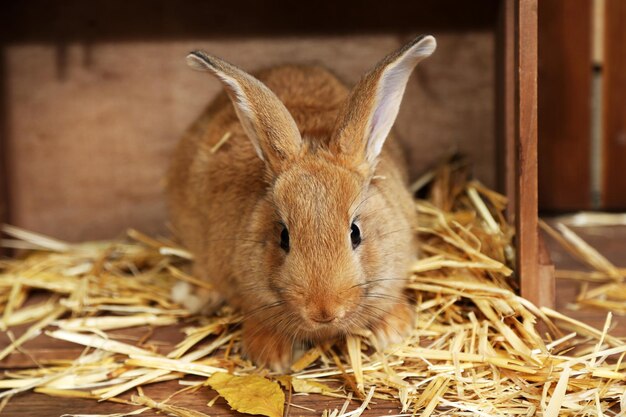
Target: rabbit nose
pixel 323 319
pixel 324 316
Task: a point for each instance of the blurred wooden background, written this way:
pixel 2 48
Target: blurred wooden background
pixel 582 104
pixel 94 95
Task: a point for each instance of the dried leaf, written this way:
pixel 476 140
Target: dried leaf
pixel 310 387
pixel 250 394
pixel 304 386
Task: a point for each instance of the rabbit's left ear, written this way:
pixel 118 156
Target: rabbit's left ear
pixel 372 107
pixel 267 123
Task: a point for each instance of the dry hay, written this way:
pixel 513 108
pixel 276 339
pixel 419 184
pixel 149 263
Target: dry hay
pixel 475 348
pixel 604 287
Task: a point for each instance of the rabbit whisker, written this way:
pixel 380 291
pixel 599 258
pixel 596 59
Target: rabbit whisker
pixel 374 281
pixel 261 309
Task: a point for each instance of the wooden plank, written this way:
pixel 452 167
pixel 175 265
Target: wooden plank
pixel 37 405
pixel 107 20
pixel 614 106
pixel 564 104
pixel 505 103
pixel 517 134
pixel 4 143
pixel 91 163
pixel 526 217
pixel 610 242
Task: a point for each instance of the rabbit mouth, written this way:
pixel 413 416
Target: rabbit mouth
pixel 330 328
pixel 322 333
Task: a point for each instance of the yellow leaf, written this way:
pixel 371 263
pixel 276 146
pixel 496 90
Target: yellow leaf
pixel 311 387
pixel 250 394
pixel 284 380
pixel 303 385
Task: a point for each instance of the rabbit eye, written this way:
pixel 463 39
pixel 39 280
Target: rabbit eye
pixel 284 239
pixel 355 235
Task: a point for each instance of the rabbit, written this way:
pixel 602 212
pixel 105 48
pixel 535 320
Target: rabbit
pixel 302 219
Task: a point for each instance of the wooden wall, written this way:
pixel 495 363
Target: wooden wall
pixel 564 104
pixel 94 98
pixel 614 106
pixel 582 104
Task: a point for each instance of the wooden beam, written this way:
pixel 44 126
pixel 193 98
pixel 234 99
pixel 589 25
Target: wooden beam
pixel 614 106
pixel 564 104
pixel 4 147
pixel 505 102
pixel 142 20
pixel 517 133
pixel 526 145
pixel 526 205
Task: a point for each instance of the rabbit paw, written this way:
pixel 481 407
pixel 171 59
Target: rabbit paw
pixel 196 299
pixel 266 347
pixel 395 326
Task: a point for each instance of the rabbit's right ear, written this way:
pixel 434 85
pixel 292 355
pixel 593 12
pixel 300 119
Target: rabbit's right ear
pixel 371 109
pixel 264 118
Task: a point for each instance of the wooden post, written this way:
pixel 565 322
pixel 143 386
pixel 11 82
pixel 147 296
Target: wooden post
pixel 614 106
pixel 505 102
pixel 4 161
pixel 517 131
pixel 564 104
pixel 526 204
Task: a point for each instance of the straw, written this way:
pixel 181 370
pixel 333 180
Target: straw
pixel 475 348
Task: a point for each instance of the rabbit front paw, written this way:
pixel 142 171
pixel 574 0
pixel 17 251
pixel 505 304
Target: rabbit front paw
pixel 267 347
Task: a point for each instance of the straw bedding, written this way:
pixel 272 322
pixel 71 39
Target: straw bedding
pixel 476 347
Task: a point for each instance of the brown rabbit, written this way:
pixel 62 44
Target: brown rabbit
pixel 302 219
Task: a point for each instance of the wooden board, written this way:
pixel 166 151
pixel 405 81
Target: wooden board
pixel 614 106
pixel 517 136
pixel 610 241
pixel 505 102
pixel 564 104
pixel 532 285
pixel 38 21
pixel 92 124
pixel 4 170
pixel 38 405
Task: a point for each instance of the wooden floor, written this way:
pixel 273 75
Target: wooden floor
pixel 611 241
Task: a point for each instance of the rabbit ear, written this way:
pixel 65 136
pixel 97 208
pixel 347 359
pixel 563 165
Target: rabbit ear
pixel 372 107
pixel 264 118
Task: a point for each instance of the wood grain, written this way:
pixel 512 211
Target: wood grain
pixel 92 125
pixel 532 284
pixel 38 405
pixel 610 241
pixel 119 20
pixel 4 151
pixel 505 103
pixel 614 106
pixel 517 133
pixel 564 104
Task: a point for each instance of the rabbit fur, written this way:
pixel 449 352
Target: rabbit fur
pixel 270 216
